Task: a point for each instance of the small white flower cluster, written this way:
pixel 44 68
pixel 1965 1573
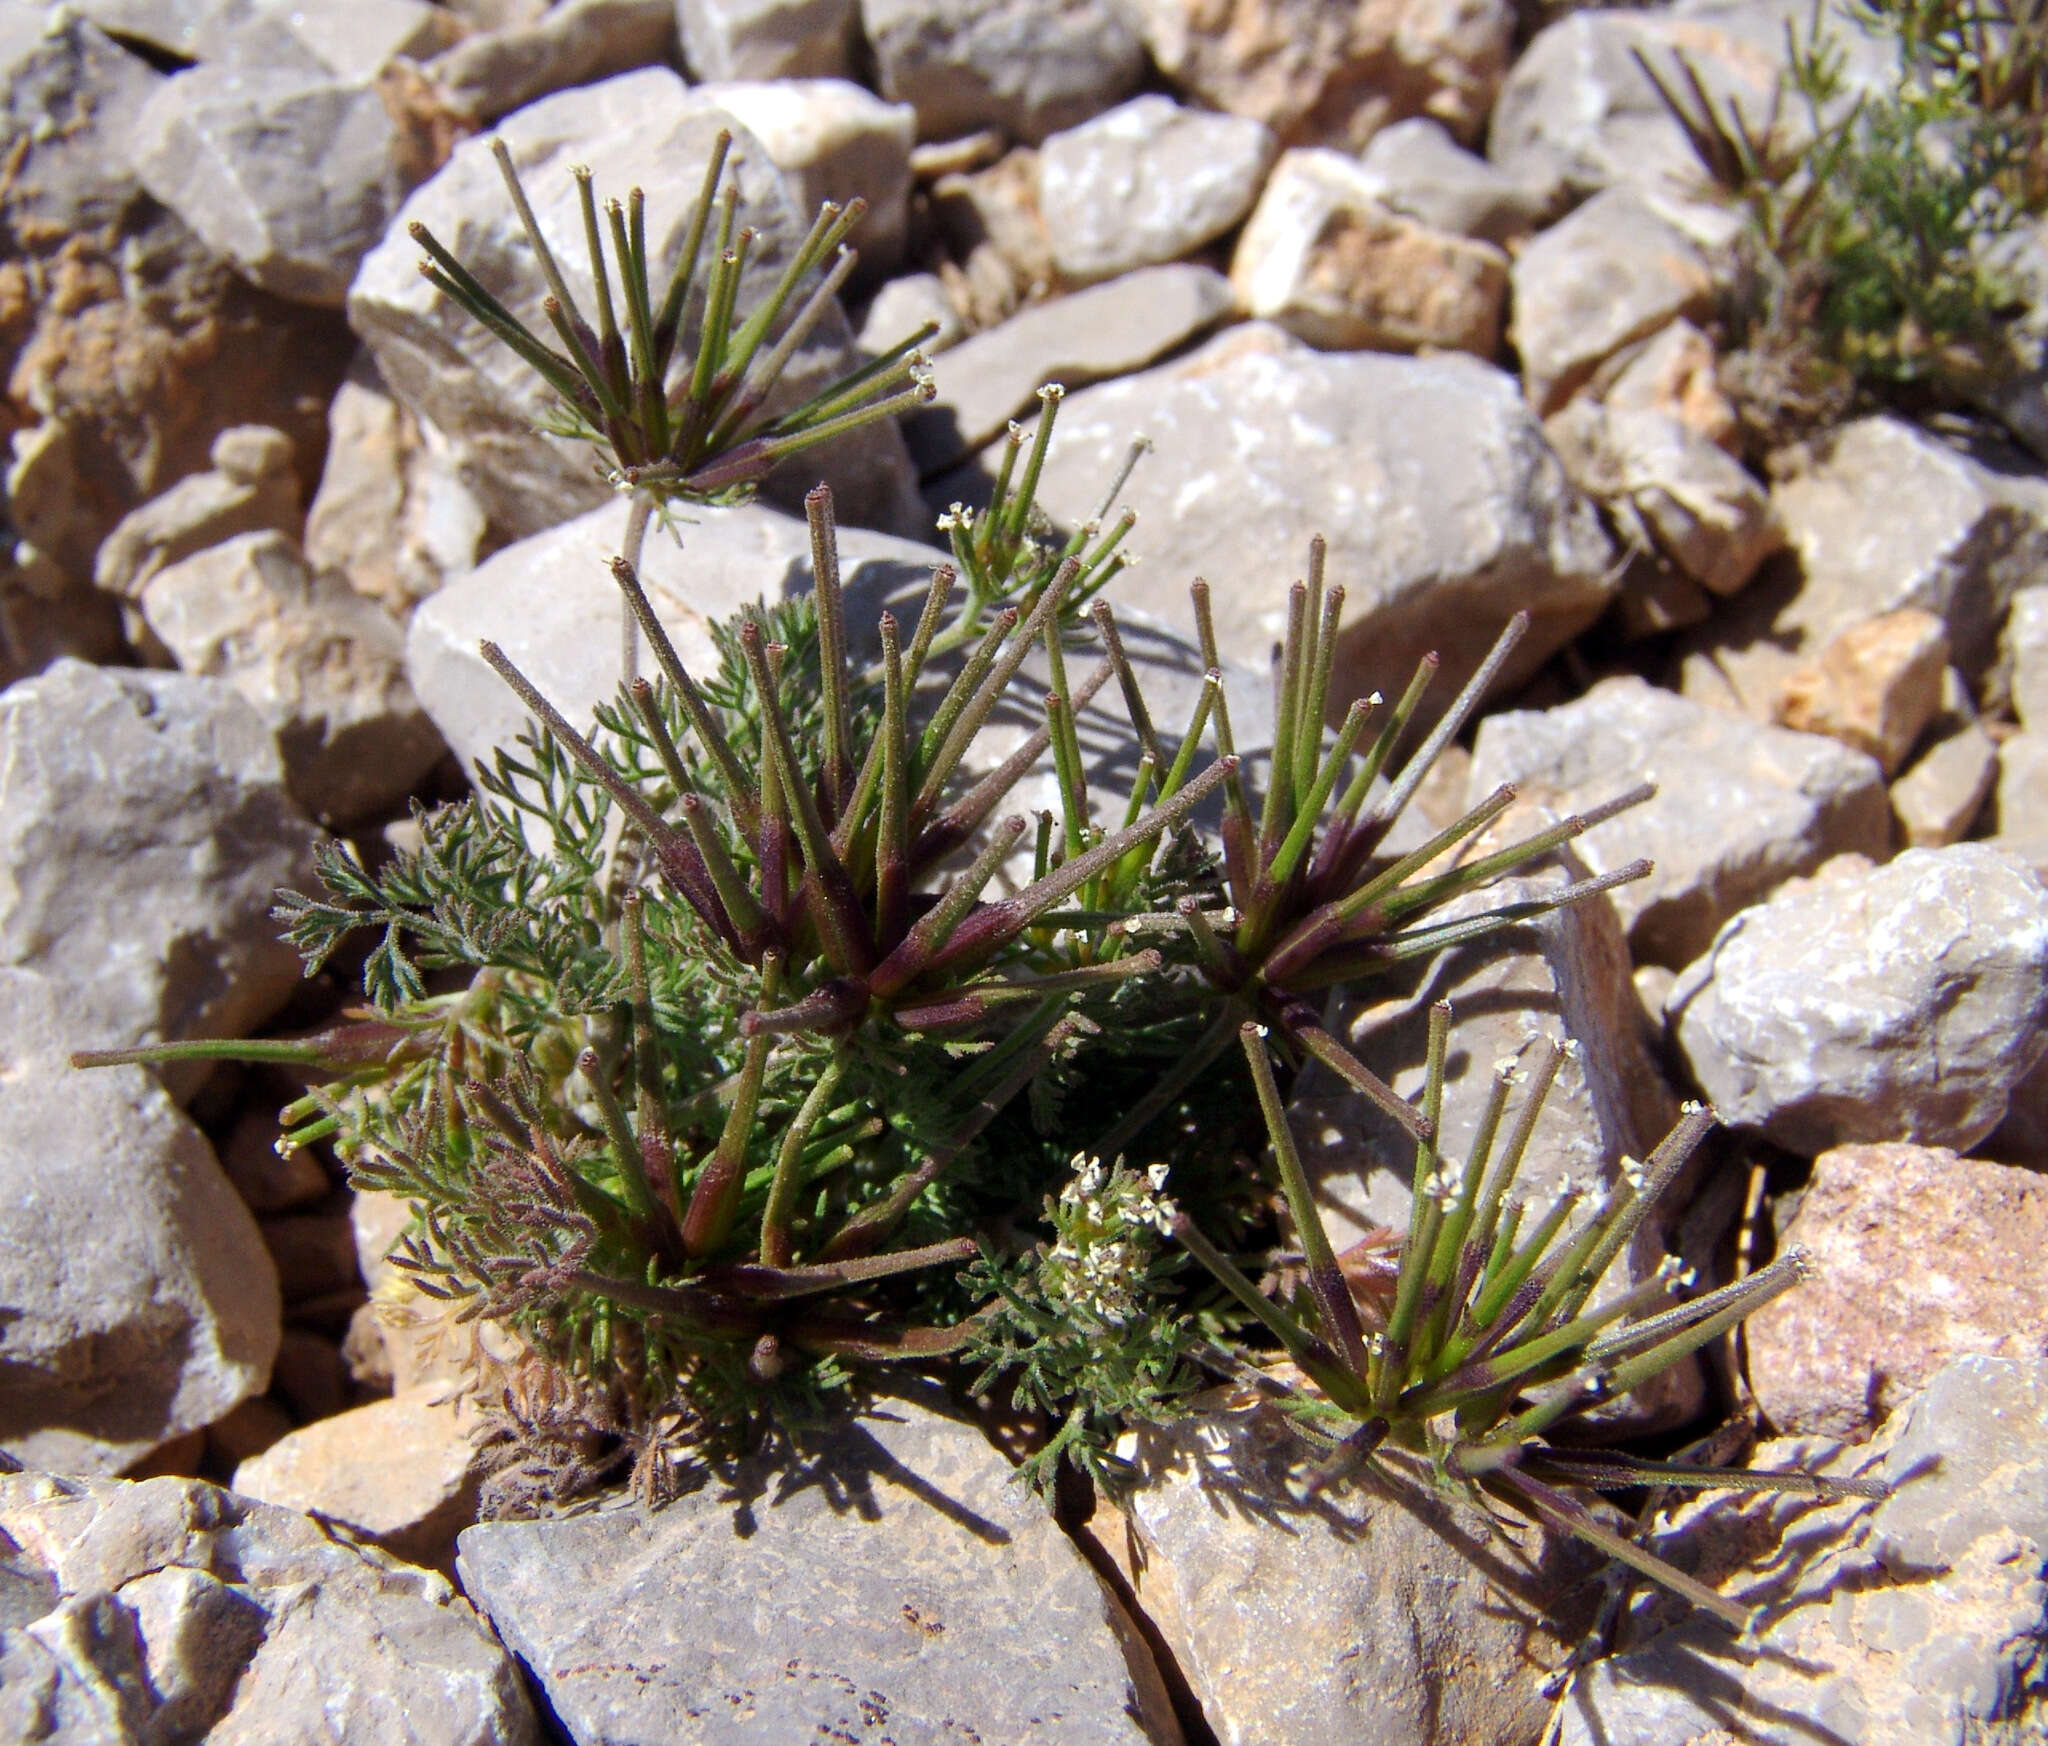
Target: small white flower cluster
pixel 1109 1220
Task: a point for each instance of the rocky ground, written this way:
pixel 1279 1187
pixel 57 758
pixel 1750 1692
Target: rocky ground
pixel 1434 282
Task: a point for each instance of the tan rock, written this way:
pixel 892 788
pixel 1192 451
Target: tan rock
pixel 997 235
pixel 1937 801
pixel 2023 786
pixel 1920 1258
pixel 250 487
pixel 1876 686
pixel 1675 373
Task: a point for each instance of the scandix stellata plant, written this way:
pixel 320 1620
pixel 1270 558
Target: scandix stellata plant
pixel 726 1044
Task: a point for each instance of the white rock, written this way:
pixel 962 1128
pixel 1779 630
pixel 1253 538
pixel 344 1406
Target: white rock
pixel 767 39
pixel 2026 651
pixel 903 306
pixel 1939 797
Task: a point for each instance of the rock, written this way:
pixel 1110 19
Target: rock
pixel 1000 247
pixel 1026 67
pixel 267 1180
pixel 1147 182
pixel 402 1472
pixel 1333 266
pixel 2026 651
pixel 1897 1003
pixel 1417 168
pixel 1919 1258
pixel 1382 1614
pixel 1874 686
pixel 137 1303
pixel 898 1582
pixel 2022 802
pixel 1937 801
pixel 767 39
pixel 315 1254
pixel 203 509
pixel 904 305
pixel 46 615
pixel 172 1610
pixel 632 130
pixel 1332 72
pixel 1613 272
pixel 1739 808
pixel 1676 373
pixel 323 665
pixel 1261 442
pixel 1107 330
pixel 144 828
pixel 834 141
pixel 1655 598
pixel 277 33
pixel 293 177
pixel 578 42
pixel 1915 1621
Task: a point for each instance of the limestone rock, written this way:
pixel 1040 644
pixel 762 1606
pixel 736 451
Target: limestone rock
pixel 1107 330
pixel 1739 807
pixel 767 39
pixel 1874 686
pixel 1417 168
pixel 578 42
pixel 904 305
pixel 897 1583
pixel 203 509
pixel 2022 803
pixel 323 665
pixel 1333 266
pixel 279 33
pixel 172 1610
pixel 1937 801
pixel 1027 67
pixel 1615 271
pixel 1904 1002
pixel 1000 246
pixel 2026 651
pixel 1675 373
pixel 1919 1258
pixel 1147 182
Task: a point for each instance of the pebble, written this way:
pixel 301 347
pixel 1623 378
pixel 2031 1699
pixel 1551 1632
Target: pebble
pixel 1874 686
pixel 1938 799
pixel 1417 168
pixel 767 39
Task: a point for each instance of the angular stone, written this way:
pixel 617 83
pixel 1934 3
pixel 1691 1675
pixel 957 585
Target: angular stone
pixel 278 33
pixel 1416 168
pixel 767 39
pixel 1386 1614
pixel 1105 331
pixel 293 177
pixel 1675 373
pixel 1937 801
pixel 1902 1002
pixel 202 510
pixel 137 1303
pixel 1874 686
pixel 633 130
pixel 323 665
pixel 1260 442
pixel 1615 271
pixel 904 305
pixel 173 1610
pixel 915 1592
pixel 1147 182
pixel 578 42
pixel 1333 72
pixel 1027 67
pixel 1919 1258
pixel 1000 247
pixel 1915 1621
pixel 2022 804
pixel 1739 808
pixel 1333 266
pixel 2025 647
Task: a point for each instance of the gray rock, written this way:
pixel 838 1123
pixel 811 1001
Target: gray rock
pixel 323 665
pixel 173 1610
pixel 203 509
pixel 1915 1621
pixel 137 1302
pixel 2025 647
pixel 1027 67
pixel 904 305
pixel 1938 799
pixel 2022 794
pixel 633 131
pixel 1323 258
pixel 1903 1002
pixel 578 42
pixel 1147 182
pixel 1615 271
pixel 1383 1615
pixel 767 39
pixel 357 44
pixel 292 176
pixel 144 827
pixel 68 98
pixel 1261 442
pixel 1417 168
pixel 896 1581
pixel 1739 808
pixel 1107 330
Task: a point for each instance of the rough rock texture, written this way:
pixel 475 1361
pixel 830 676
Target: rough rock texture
pixel 1615 271
pixel 1105 331
pixel 575 43
pixel 250 486
pixel 1739 807
pixel 137 1302
pixel 1901 1002
pixel 630 130
pixel 1334 72
pixel 904 305
pixel 1001 249
pixel 1677 373
pixel 2026 652
pixel 1148 182
pixel 1919 1258
pixel 1323 258
pixel 1396 1619
pixel 1916 1621
pixel 167 791
pixel 292 177
pixel 1028 67
pixel 1937 801
pixel 767 39
pixel 1417 168
pixel 279 33
pixel 172 1610
pixel 1260 442
pixel 896 1582
pixel 1875 686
